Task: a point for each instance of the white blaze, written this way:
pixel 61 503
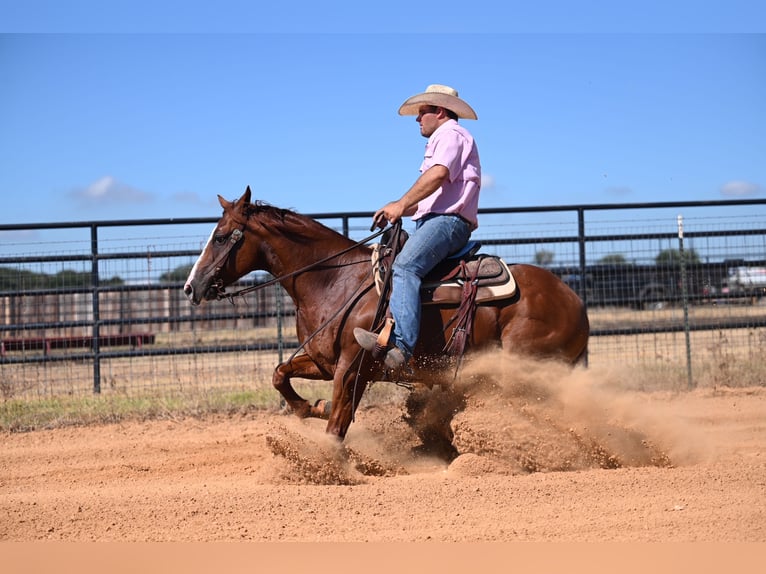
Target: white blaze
pixel 193 271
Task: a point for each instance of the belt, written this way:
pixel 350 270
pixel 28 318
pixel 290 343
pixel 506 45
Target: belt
pixel 432 215
pixel 459 217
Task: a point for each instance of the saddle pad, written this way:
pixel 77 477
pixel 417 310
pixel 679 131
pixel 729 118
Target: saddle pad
pixel 494 278
pixel 451 292
pixel 487 269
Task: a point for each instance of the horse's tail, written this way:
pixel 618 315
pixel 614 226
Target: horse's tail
pixel 582 358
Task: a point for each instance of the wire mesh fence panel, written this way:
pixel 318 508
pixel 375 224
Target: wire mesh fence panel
pixel 101 306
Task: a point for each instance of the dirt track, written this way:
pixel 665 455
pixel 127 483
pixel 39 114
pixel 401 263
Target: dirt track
pixel 577 460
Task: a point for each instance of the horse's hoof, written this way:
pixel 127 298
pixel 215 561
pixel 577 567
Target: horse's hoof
pixel 322 408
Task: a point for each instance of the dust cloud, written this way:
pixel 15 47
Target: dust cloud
pixel 532 416
pixel 503 414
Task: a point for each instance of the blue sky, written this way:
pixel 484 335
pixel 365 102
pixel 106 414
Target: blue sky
pixel 110 114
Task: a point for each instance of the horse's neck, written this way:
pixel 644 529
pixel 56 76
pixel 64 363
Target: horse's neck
pixel 293 261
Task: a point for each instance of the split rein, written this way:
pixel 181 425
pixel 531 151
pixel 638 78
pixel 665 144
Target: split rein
pixel 237 235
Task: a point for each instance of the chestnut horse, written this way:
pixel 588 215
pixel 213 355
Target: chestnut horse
pixel 328 276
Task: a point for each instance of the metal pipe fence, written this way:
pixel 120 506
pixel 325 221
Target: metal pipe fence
pixel 98 306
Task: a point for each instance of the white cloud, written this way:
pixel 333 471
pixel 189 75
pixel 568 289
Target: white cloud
pixel 619 191
pixel 109 190
pixel 193 198
pixel 20 235
pixel 740 189
pixel 487 181
pixel 187 197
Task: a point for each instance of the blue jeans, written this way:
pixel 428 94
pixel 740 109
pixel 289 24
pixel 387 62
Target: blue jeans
pixel 435 238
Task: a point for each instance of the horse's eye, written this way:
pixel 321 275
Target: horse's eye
pixel 219 239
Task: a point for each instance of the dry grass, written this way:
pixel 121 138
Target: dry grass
pixel 40 394
pixel 623 317
pixel 662 361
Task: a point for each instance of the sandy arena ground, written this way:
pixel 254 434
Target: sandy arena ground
pixel 542 455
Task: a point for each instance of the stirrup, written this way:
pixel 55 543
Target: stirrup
pixel 381 345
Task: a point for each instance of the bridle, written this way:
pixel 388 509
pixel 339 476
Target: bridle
pixel 217 284
pixel 237 235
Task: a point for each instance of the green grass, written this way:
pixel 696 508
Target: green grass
pixel 19 415
pixel 25 414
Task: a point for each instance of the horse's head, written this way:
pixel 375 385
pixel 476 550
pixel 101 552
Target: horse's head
pixel 217 265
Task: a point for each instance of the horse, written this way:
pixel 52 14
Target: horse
pixel 328 276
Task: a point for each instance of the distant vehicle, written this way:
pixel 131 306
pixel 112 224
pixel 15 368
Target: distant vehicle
pixel 745 281
pixel 637 286
pixel 659 286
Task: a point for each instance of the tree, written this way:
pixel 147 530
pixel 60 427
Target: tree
pixel 544 257
pixel 12 279
pixel 178 274
pixel 673 257
pixel 613 259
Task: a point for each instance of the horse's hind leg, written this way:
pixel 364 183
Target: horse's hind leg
pixel 304 367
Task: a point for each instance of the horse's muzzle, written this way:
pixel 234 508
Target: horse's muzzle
pixel 191 295
pixel 213 292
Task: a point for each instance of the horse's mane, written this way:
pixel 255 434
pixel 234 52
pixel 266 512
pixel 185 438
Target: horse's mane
pixel 300 227
pixel 261 207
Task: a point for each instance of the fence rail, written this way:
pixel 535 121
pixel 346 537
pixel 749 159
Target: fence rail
pixel 127 316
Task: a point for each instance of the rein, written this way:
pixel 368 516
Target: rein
pixel 238 234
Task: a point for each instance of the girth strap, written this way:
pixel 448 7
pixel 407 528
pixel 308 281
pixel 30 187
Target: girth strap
pixel 464 317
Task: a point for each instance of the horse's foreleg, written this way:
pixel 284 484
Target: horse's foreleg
pixel 304 367
pixel 349 385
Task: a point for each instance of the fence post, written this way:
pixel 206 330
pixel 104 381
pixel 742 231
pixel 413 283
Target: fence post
pixel 96 329
pixel 583 266
pixel 685 302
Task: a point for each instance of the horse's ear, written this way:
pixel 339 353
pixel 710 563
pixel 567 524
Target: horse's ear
pixel 245 199
pixel 224 203
pixel 241 202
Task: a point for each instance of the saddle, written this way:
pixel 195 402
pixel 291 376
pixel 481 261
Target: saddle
pixel 463 280
pixel 445 284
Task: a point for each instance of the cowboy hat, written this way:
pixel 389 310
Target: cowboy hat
pixel 441 96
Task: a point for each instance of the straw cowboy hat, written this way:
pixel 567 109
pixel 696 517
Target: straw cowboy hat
pixel 438 95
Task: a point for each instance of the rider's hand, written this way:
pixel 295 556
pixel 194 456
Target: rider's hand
pixel 389 213
pixel 378 220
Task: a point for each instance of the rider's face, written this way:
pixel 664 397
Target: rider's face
pixel 429 118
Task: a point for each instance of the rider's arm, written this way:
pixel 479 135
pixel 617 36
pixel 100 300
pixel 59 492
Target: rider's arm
pixel 428 182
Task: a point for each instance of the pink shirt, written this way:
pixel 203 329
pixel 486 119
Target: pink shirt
pixel 452 146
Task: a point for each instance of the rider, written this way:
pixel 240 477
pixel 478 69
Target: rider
pixel 443 202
